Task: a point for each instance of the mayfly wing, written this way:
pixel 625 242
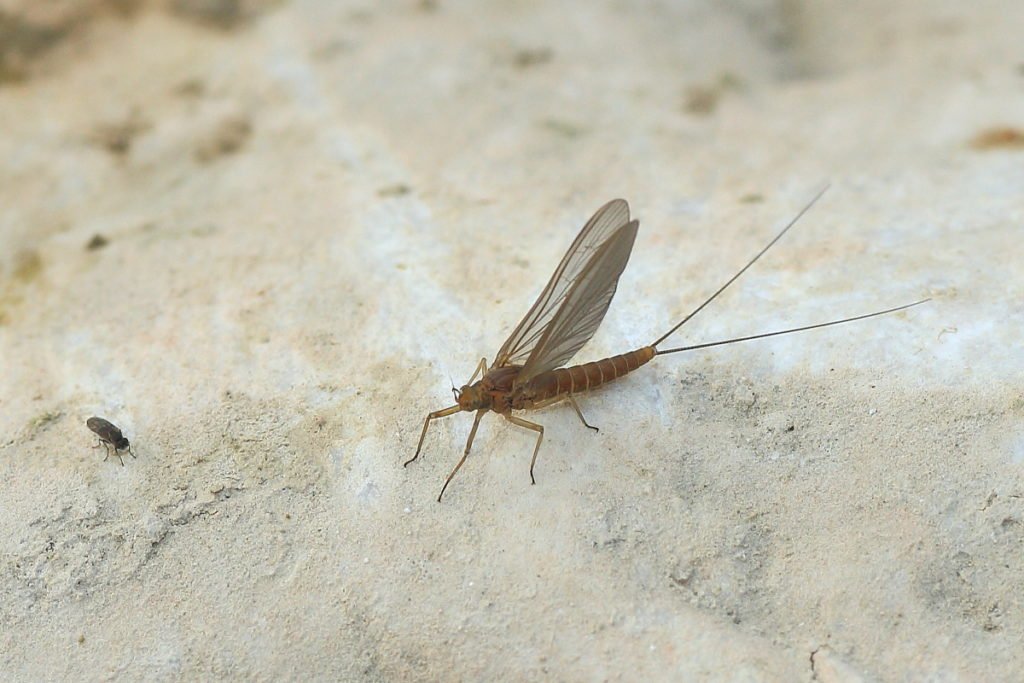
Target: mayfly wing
pixel 524 339
pixel 584 305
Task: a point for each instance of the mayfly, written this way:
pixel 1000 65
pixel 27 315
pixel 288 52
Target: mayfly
pixel 527 373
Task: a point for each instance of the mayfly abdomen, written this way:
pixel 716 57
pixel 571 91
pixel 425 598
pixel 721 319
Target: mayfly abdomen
pixel 589 375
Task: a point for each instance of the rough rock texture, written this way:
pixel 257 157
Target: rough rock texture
pixel 260 236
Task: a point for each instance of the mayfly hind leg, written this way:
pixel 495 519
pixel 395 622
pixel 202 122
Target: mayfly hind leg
pixel 426 423
pixel 465 454
pixel 540 437
pixel 576 407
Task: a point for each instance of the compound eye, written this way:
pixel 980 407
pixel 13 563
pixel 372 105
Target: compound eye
pixel 456 393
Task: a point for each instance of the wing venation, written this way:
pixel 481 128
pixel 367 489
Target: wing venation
pixel 572 305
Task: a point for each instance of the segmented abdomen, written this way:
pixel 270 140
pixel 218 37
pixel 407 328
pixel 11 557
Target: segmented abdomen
pixel 589 375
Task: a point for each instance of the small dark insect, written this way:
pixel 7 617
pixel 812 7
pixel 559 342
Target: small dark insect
pixel 109 436
pixel 528 374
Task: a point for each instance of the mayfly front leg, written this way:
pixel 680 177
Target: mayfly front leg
pixel 451 410
pixel 480 370
pixel 426 423
pixel 540 437
pixel 465 453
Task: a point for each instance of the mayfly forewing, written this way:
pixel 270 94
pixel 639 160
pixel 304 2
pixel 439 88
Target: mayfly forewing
pixel 524 338
pixel 584 305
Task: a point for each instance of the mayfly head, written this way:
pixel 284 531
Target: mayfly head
pixel 472 397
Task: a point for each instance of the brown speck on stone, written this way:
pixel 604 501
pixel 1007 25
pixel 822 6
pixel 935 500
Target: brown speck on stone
pixel 998 137
pixel 117 138
pixel 192 87
pixel 220 14
pixel 396 190
pixel 524 59
pixel 98 241
pixel 227 138
pixel 701 100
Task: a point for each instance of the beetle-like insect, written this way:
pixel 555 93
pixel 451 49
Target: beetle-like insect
pixel 109 435
pixel 527 373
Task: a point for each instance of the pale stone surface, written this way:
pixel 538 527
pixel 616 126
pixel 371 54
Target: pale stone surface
pixel 312 214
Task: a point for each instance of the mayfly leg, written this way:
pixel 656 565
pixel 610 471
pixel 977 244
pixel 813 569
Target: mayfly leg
pixel 572 400
pixel 426 423
pixel 469 444
pixel 540 437
pixel 480 370
pixel 576 407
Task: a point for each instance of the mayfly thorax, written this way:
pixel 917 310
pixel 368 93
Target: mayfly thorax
pixel 527 373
